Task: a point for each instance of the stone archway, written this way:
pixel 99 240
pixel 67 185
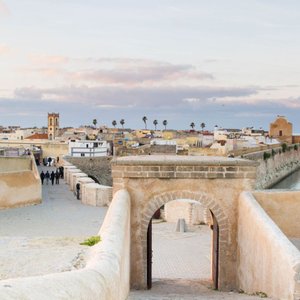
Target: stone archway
pixel 153 181
pixel 221 227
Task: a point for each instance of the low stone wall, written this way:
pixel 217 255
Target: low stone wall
pixel 20 183
pixel 90 193
pixel 106 275
pixel 267 261
pixel 98 168
pixel 96 195
pixel 273 169
pixel 193 212
pixel 15 164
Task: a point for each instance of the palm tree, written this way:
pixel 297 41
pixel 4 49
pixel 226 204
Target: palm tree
pixel 114 123
pixel 165 123
pixel 192 125
pixel 155 123
pixel 145 121
pixel 122 122
pixel 95 122
pixel 202 125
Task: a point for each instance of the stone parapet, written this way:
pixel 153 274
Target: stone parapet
pixel 182 167
pixel 73 179
pixel 69 174
pixel 96 195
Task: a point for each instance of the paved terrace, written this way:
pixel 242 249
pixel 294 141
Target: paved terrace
pixel 45 238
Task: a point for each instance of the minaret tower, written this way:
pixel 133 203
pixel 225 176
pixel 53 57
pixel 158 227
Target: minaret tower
pixel 53 125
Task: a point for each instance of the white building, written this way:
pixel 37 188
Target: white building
pixel 88 148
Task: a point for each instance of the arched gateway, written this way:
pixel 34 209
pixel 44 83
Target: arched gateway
pixel 152 181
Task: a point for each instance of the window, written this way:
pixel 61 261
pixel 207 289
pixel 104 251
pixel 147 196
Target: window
pixel 87 145
pixel 82 154
pixel 50 122
pixel 280 132
pixel 95 145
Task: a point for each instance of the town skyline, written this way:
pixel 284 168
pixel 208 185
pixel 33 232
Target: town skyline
pixel 229 64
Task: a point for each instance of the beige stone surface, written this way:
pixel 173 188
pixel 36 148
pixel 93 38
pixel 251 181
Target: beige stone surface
pixel 14 164
pixel 267 261
pixel 182 289
pixel 193 212
pixel 96 195
pixel 69 173
pixel 21 185
pixel 24 256
pixel 73 179
pixel 283 207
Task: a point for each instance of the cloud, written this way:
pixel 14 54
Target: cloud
pixel 4 49
pixel 4 11
pixel 115 71
pixel 117 97
pixel 43 59
pixel 289 102
pixel 28 93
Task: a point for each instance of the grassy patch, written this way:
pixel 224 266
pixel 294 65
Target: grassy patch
pixel 91 241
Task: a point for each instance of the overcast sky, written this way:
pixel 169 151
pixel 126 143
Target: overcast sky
pixel 230 63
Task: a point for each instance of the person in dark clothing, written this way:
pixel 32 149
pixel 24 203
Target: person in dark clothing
pixel 49 161
pixel 78 191
pixel 57 175
pixel 61 170
pixel 52 176
pixel 42 177
pixel 47 176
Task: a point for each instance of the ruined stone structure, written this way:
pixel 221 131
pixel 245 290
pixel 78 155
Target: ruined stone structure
pixel 281 129
pixel 53 125
pixel 156 180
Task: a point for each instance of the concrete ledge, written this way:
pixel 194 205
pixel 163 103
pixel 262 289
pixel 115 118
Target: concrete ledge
pixel 106 275
pixel 182 160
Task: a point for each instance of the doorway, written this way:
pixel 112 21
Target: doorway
pixel 214 259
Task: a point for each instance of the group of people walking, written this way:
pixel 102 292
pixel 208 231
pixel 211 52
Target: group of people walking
pixel 52 176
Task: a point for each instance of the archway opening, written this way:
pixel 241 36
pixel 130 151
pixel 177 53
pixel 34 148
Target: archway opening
pixel 183 244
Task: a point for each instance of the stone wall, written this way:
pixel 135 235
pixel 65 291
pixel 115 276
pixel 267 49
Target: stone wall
pixel 106 275
pixel 273 169
pixel 14 164
pixel 99 168
pixel 52 149
pixel 267 261
pixel 283 208
pixel 20 183
pixel 192 211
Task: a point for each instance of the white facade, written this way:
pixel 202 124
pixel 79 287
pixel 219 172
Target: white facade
pixel 88 148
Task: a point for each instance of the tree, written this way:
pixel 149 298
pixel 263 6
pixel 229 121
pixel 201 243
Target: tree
pixel 122 122
pixel 165 123
pixel 155 123
pixel 114 123
pixel 95 122
pixel 145 121
pixel 202 125
pixel 192 125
